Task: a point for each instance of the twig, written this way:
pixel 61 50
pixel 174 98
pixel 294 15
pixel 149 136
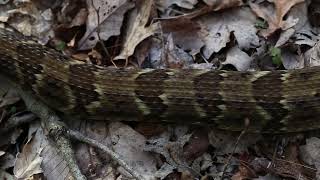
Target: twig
pixel 298 164
pixel 51 122
pixel 246 122
pixel 80 137
pixel 274 154
pixel 57 130
pixel 98 34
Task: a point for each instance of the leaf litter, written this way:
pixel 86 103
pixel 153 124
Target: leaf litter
pixel 206 34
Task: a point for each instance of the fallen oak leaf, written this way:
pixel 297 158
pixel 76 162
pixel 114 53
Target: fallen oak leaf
pixel 275 17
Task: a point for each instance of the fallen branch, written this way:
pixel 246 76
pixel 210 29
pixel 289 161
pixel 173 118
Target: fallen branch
pixel 60 134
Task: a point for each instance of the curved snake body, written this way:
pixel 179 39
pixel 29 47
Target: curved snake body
pixel 278 101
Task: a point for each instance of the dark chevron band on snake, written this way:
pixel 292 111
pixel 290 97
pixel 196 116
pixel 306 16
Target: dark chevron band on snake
pixel 274 102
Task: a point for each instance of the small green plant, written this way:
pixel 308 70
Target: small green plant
pixel 261 24
pixel 13 109
pixel 60 46
pixel 275 54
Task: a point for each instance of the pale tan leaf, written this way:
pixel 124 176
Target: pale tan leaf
pixel 137 30
pixel 80 18
pixel 28 161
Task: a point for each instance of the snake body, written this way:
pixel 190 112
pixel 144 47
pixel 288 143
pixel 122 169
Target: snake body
pixel 272 101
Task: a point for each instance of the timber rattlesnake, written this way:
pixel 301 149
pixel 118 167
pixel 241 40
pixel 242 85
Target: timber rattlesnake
pixel 279 101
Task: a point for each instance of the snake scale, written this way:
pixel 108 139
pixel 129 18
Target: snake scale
pixel 273 101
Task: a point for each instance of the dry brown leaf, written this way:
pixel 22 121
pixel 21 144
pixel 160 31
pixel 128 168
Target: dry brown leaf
pixel 29 160
pixel 274 16
pixel 291 166
pixel 91 160
pixel 243 173
pixel 81 57
pixel 80 18
pixel 105 17
pixel 138 29
pixel 197 145
pixel 175 57
pixel 185 33
pixel 219 5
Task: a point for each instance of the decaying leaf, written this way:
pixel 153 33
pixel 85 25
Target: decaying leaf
pixel 6 176
pixel 53 164
pixel 214 6
pixel 172 151
pixel 86 154
pixel 310 153
pixel 239 21
pixel 274 16
pixel 239 59
pixel 306 38
pixel 267 177
pixel 138 28
pixel 105 17
pixel 185 33
pixel 2 2
pixel 225 142
pixel 291 60
pixel 29 160
pixel 164 171
pixel 285 36
pixel 312 56
pixel 197 145
pixel 164 4
pixel 80 18
pixel 290 166
pixel 174 56
pixel 129 144
pixel 9 98
pixel 35 21
pixel 218 5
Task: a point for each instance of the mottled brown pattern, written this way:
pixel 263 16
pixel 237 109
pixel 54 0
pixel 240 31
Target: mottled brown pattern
pixel 150 96
pixel 267 91
pixel 274 102
pixel 209 102
pixel 8 67
pixel 80 77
